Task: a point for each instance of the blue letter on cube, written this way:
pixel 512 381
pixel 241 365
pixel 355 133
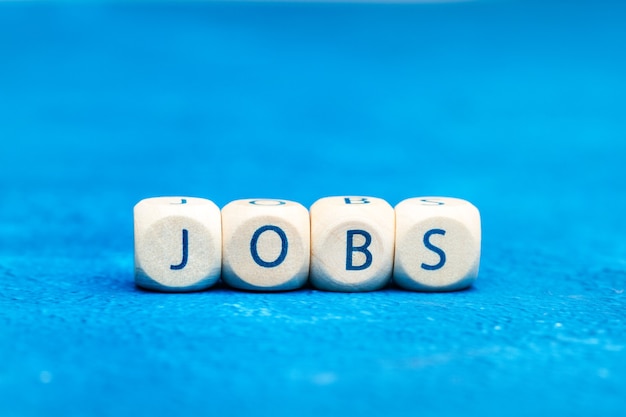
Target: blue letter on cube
pixel 438 251
pixel 283 249
pixel 182 263
pixel 351 249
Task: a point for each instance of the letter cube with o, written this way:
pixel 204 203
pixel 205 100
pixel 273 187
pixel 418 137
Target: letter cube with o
pixel 178 243
pixel 352 243
pixel 266 244
pixel 437 244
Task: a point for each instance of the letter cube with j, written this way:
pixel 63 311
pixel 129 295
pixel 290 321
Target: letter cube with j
pixel 437 244
pixel 352 243
pixel 178 243
pixel 266 244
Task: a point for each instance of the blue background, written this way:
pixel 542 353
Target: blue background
pixel 517 106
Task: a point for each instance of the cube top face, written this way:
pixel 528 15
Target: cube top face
pixel 266 244
pixel 258 206
pixel 440 206
pixel 437 244
pixel 151 209
pixel 177 243
pixel 350 204
pixel 352 243
pixel 174 204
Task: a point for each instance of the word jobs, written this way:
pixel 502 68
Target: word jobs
pixel 341 244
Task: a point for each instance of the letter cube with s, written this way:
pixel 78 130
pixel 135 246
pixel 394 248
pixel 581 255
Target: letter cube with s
pixel 178 243
pixel 266 244
pixel 352 243
pixel 437 244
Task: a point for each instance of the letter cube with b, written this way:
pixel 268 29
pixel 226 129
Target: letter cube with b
pixel 178 243
pixel 352 243
pixel 266 244
pixel 437 244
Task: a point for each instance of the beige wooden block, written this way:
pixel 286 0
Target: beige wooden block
pixel 437 244
pixel 178 243
pixel 266 244
pixel 352 243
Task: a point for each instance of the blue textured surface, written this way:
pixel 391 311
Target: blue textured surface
pixel 516 106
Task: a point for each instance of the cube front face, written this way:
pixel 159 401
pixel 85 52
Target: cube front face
pixel 352 243
pixel 437 244
pixel 178 243
pixel 266 244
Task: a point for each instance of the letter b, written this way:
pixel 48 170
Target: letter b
pixel 350 249
pixel 356 200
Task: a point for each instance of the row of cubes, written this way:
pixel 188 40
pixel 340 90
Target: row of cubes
pixel 342 244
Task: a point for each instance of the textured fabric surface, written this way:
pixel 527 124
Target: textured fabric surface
pixel 516 106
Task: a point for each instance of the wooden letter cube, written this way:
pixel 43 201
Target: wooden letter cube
pixel 352 243
pixel 437 244
pixel 178 243
pixel 266 244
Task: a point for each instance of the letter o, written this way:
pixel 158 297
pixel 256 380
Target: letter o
pixel 267 202
pixel 283 250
